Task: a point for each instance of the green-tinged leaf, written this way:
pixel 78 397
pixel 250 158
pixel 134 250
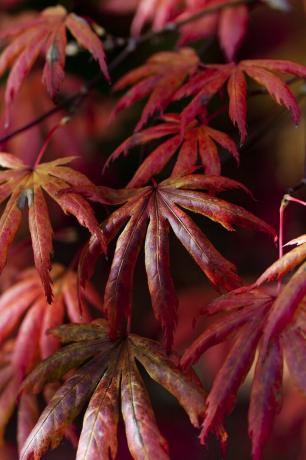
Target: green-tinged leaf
pixel 144 438
pixel 44 33
pixel 62 409
pixel 98 439
pixel 25 187
pixel 112 371
pixel 57 365
pixel 189 394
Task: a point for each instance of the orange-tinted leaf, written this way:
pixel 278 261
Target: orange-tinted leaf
pixel 58 364
pixel 9 224
pixel 45 33
pixel 25 304
pixel 41 235
pixel 26 189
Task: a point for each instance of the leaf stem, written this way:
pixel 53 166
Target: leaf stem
pixel 48 139
pixel 73 101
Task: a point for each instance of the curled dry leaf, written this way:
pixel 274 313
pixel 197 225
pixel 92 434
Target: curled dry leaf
pixel 149 213
pixel 25 312
pixel 45 33
pixel 25 188
pixel 105 374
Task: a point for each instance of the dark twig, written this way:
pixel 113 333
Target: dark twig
pixel 70 103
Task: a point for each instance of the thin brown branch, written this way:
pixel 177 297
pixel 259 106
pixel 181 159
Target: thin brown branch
pixel 70 103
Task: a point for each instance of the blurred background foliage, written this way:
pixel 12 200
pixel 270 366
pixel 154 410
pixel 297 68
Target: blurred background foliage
pixel 272 161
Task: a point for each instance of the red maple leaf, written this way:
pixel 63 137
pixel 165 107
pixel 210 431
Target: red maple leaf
pixel 45 33
pixel 198 140
pixel 159 78
pixel 25 186
pixel 273 323
pixel 229 24
pixel 24 309
pixel 164 74
pixel 107 372
pixel 148 213
pixel 205 83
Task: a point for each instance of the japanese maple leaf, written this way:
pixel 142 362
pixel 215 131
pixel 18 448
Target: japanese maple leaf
pixel 229 24
pixel 107 375
pixel 45 33
pixel 205 83
pixel 159 78
pixel 159 12
pixel 148 213
pixel 25 313
pixel 198 140
pixel 25 186
pixel 275 323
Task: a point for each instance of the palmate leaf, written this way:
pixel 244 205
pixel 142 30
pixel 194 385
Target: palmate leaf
pixel 45 33
pixel 110 375
pixel 158 78
pixel 204 81
pixel 199 140
pixel 209 81
pixel 273 323
pixel 25 187
pixel 149 213
pixel 229 24
pixel 24 306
